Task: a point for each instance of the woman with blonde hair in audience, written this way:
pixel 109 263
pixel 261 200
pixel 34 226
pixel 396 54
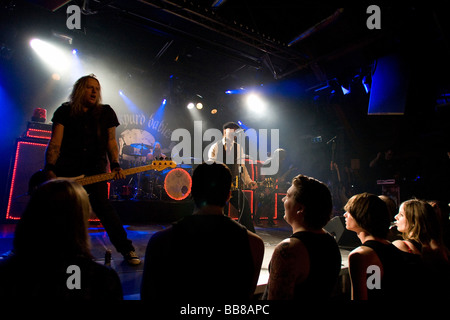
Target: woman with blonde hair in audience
pixel 376 261
pixel 419 224
pixel 421 231
pixel 51 250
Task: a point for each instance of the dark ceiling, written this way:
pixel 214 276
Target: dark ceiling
pixel 233 43
pixel 206 48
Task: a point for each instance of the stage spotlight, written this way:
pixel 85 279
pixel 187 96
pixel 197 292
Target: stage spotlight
pixel 243 126
pixel 345 91
pixel 199 106
pixel 255 103
pixel 129 103
pixel 75 52
pixel 213 111
pixel 56 77
pixel 241 90
pixel 159 114
pixel 366 81
pixel 56 58
pixel 217 4
pixel 190 105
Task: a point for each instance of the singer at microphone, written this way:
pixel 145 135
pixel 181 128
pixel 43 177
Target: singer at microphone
pixel 231 153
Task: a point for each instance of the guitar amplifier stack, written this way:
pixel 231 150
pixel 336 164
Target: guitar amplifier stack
pixel 28 159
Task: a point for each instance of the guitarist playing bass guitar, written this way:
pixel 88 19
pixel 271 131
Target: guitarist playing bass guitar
pixel 83 140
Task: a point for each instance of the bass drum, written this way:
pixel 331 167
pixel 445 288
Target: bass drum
pixel 178 184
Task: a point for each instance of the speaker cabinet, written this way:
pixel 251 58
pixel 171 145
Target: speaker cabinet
pixel 29 159
pixel 345 239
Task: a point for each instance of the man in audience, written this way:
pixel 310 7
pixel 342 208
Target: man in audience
pixel 306 265
pixel 206 256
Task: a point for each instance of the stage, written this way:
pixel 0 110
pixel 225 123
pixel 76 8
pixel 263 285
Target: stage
pixel 141 232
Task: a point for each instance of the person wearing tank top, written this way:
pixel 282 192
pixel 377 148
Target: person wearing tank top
pixel 396 271
pixel 205 257
pixel 307 264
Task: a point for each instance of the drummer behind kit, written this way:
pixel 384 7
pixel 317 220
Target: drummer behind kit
pixel 151 184
pixel 137 151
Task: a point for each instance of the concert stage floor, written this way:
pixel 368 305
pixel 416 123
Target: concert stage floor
pixel 140 233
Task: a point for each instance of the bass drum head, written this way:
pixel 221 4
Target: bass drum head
pixel 178 184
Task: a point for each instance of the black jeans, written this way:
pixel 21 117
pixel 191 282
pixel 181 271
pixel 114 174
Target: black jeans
pixel 98 196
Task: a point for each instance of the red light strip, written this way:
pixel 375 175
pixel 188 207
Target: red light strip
pixel 39 137
pixel 39 130
pixel 19 144
pixel 276 203
pixel 11 191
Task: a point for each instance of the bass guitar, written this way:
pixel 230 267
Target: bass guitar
pixel 267 183
pixel 157 165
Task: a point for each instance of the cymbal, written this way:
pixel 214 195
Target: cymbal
pixel 141 146
pixel 134 154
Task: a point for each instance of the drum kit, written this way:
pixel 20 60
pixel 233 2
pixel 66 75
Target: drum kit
pixel 168 184
pixel 137 152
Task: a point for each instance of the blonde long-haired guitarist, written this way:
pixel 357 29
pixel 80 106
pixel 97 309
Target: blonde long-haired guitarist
pixel 83 140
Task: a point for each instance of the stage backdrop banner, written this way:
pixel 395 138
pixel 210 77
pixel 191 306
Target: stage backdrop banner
pixel 145 130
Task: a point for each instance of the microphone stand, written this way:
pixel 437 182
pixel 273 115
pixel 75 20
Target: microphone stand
pixel 333 177
pixel 240 194
pixel 240 170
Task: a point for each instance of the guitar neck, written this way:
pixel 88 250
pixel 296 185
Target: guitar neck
pixel 268 182
pixel 156 165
